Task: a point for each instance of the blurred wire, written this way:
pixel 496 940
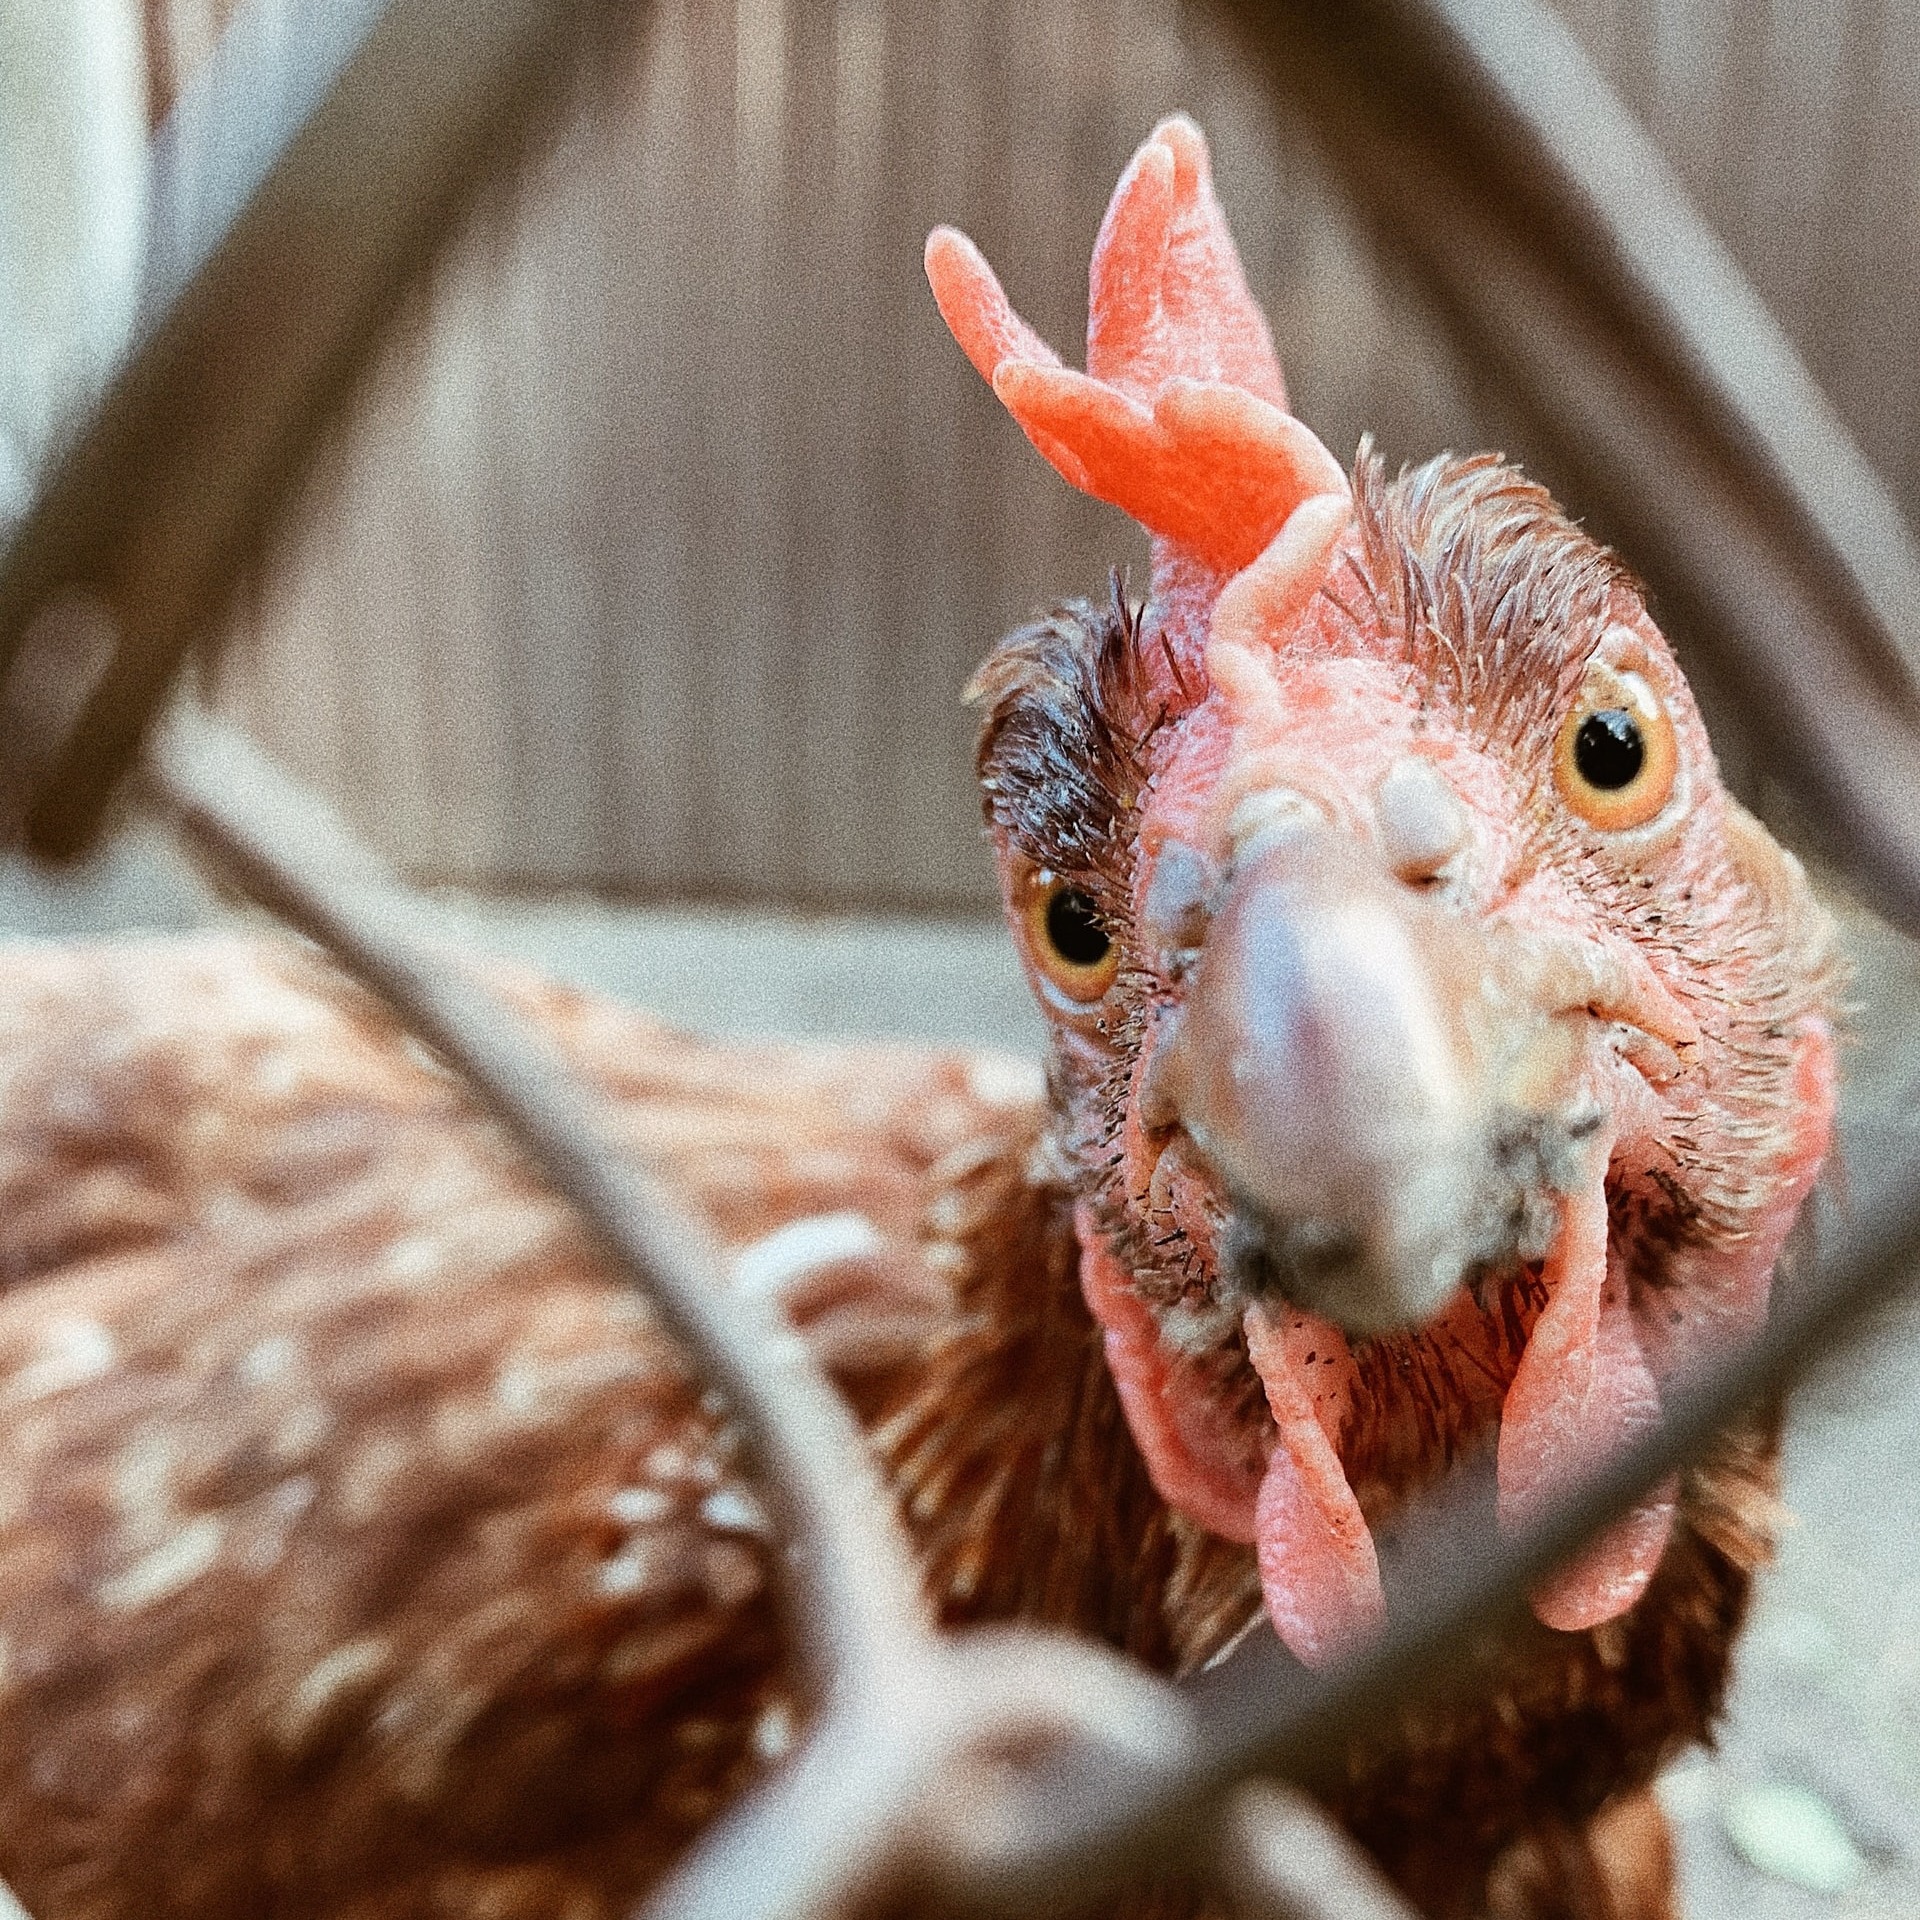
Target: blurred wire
pixel 855 1587
pixel 1559 245
pixel 327 170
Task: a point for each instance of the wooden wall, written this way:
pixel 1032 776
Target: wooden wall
pixel 673 523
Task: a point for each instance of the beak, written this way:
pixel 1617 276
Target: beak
pixel 1383 1123
pixel 1399 1096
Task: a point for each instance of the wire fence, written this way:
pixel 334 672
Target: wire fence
pixel 1000 1771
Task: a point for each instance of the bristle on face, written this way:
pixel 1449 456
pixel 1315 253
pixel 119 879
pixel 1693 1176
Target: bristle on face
pixel 1180 419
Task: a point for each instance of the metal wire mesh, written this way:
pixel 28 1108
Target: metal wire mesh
pixel 1009 1770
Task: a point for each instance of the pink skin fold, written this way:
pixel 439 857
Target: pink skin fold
pixel 1582 1392
pixel 1718 1296
pixel 1318 1568
pixel 1194 1452
pixel 1587 1386
pixel 1319 1572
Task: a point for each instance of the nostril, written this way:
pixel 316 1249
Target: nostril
pixel 1422 822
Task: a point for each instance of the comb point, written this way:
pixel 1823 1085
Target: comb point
pixel 1126 308
pixel 1180 137
pixel 975 306
pixel 1181 417
pixel 1168 292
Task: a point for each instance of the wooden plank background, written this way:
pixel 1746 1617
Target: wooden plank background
pixel 672 524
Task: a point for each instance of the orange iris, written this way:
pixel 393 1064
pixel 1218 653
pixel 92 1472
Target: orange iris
pixel 1066 938
pixel 1616 758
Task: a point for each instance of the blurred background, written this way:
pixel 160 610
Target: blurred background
pixel 631 605
pixel 662 547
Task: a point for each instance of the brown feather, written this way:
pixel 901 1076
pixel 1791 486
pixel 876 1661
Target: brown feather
pixel 369 1551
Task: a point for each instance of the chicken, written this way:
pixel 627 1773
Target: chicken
pixel 1440 1056
pixel 1439 1059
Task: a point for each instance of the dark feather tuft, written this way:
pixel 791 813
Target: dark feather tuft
pixel 1062 740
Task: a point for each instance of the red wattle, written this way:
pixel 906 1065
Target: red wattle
pixel 1318 1568
pixel 1582 1392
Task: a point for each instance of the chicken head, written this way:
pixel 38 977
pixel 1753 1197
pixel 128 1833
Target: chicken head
pixel 1440 1053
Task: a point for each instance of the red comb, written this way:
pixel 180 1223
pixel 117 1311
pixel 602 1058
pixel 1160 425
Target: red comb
pixel 1180 419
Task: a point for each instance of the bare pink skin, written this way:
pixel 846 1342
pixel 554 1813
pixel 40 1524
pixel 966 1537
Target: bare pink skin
pixel 1317 719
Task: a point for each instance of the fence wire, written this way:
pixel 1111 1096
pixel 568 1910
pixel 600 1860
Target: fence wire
pixel 1001 1770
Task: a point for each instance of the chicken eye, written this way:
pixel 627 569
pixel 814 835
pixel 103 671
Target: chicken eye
pixel 1617 757
pixel 1067 938
pixel 1074 930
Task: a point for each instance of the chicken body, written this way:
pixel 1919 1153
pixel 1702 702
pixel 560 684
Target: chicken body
pixel 369 1551
pixel 366 1549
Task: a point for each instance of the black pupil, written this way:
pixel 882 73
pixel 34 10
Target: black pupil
pixel 1075 929
pixel 1608 749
